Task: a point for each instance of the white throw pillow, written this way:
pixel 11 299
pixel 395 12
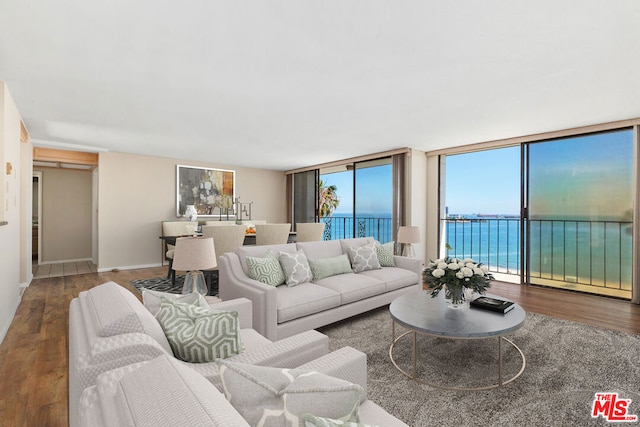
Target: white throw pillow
pixel 296 268
pixel 364 258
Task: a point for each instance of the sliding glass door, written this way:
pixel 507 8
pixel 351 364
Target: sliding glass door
pixel 578 212
pixel 361 195
pixel 571 224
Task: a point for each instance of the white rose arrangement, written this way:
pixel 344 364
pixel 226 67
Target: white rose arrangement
pixel 456 275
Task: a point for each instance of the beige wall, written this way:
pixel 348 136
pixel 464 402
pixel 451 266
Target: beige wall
pixel 66 215
pixel 136 193
pixel 10 249
pixel 416 200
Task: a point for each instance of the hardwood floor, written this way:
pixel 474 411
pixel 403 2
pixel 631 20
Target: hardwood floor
pixel 33 355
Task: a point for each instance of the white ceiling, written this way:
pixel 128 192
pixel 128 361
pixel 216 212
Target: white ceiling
pixel 291 83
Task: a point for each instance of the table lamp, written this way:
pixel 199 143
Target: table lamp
pixel 407 235
pixel 193 255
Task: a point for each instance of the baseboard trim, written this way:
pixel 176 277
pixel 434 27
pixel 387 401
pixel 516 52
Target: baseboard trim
pixel 6 327
pixel 128 267
pixel 66 260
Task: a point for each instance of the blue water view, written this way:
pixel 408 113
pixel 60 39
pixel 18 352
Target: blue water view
pixel 571 250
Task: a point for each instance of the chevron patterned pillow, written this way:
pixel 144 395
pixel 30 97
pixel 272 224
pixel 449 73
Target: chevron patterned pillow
pixel 266 270
pixel 385 254
pixel 198 334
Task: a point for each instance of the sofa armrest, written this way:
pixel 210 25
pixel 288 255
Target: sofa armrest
pixel 242 305
pixel 289 352
pixel 413 264
pixel 234 283
pixel 345 363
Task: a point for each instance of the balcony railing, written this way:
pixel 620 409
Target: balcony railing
pixel 343 228
pixel 583 252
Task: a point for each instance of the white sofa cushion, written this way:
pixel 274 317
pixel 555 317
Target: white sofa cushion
pixel 274 397
pixel 303 300
pixel 393 277
pixel 321 249
pixel 353 287
pixel 123 314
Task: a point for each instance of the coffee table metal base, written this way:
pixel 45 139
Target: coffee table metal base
pixel 414 376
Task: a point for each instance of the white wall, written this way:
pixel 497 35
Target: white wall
pixel 136 193
pixel 10 249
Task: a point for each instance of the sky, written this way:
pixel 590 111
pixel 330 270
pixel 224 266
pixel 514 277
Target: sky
pixel 374 189
pixel 484 182
pixel 588 176
pixel 585 176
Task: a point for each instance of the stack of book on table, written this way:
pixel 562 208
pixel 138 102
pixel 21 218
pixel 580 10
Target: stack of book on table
pixel 493 304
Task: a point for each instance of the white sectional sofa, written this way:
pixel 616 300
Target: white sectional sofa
pixel 282 311
pixel 109 328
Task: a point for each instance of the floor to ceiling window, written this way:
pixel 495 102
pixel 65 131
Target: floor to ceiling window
pixel 357 198
pixel 557 212
pixel 365 194
pixel 580 193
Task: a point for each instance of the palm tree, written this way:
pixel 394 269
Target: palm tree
pixel 328 199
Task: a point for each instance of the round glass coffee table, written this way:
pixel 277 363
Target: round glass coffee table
pixel 420 313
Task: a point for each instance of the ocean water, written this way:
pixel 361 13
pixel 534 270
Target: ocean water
pixel 570 250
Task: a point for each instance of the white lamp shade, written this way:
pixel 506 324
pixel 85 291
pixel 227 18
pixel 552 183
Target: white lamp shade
pixel 193 253
pixel 409 234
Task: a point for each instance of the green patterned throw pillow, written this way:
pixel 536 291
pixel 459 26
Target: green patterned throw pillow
pixel 331 266
pixel 385 254
pixel 266 270
pixel 273 397
pixel 364 258
pixel 198 334
pixel 296 268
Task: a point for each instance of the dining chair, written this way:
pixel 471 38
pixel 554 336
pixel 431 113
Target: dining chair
pixel 226 238
pixel 272 234
pixel 175 228
pixel 309 231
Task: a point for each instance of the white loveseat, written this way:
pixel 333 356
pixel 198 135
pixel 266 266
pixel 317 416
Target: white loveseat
pixel 282 311
pixel 109 328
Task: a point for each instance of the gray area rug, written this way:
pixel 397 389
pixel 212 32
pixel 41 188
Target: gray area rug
pixel 160 284
pixel 566 364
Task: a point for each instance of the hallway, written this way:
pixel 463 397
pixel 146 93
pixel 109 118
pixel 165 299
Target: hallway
pixel 63 269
